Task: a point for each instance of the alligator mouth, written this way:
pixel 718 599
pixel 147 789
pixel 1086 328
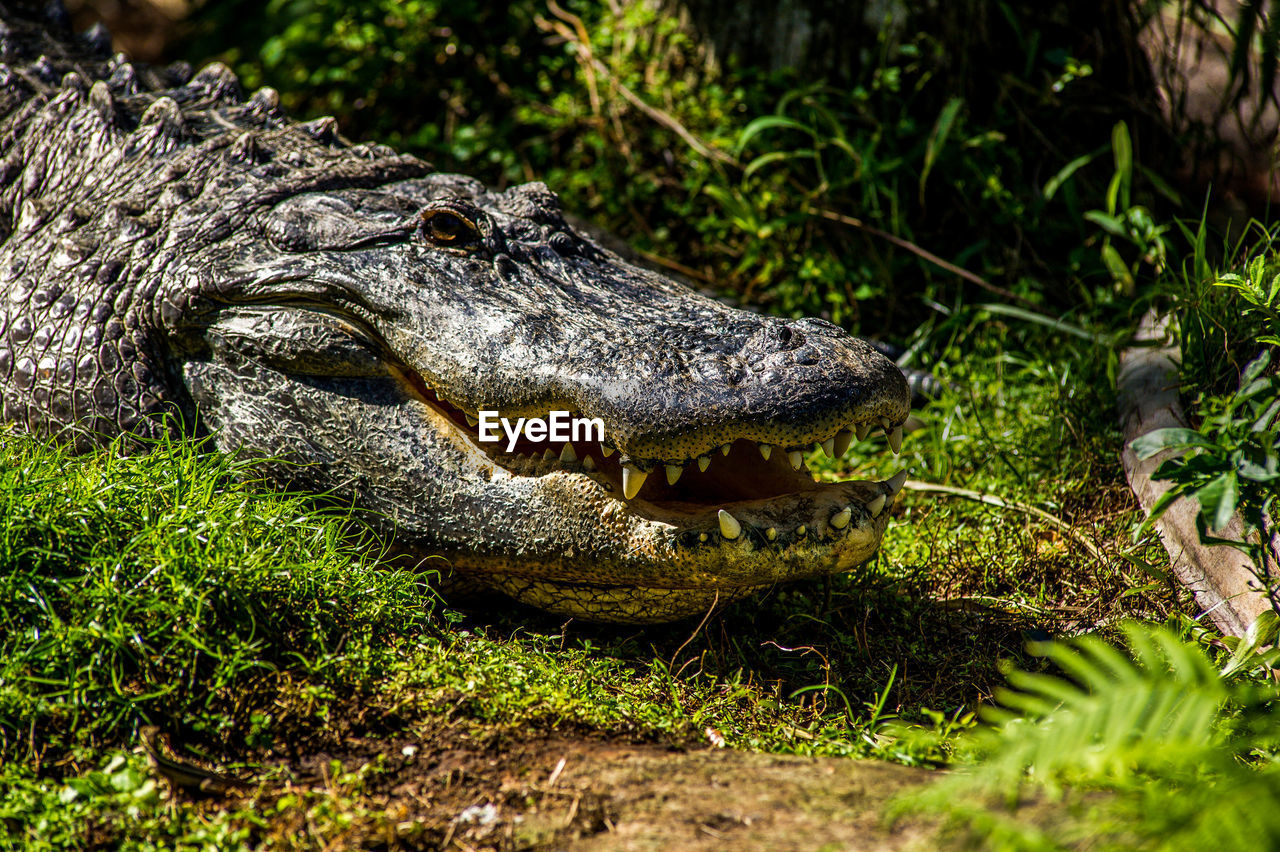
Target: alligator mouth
pixel 736 490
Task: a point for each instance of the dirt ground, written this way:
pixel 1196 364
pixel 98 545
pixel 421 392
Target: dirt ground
pixel 514 790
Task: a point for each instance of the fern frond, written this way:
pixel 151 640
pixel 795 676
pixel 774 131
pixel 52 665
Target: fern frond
pixel 1148 737
pixel 1112 716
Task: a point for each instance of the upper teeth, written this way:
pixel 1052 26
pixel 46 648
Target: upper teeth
pixel 634 473
pixel 632 478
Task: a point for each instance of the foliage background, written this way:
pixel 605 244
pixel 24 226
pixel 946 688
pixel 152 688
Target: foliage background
pixel 945 134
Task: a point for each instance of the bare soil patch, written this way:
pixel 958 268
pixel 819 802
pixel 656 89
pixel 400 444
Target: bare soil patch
pixel 512 790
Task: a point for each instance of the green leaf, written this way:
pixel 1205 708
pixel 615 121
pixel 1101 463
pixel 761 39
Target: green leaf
pixel 768 122
pixel 1111 224
pixel 775 157
pixel 1268 471
pixel 1117 267
pixel 1262 632
pixel 1122 147
pixel 732 203
pixel 1255 367
pixel 1163 502
pixel 1218 500
pixel 1039 319
pixel 938 138
pixel 1055 183
pixel 1146 446
pixel 1263 423
pixel 1161 186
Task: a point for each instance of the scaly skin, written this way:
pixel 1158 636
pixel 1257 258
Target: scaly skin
pixel 170 246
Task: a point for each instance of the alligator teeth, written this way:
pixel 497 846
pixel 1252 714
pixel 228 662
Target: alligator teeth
pixel 765 450
pixel 843 439
pixel 702 536
pixel 771 534
pixel 588 463
pixel 567 454
pixel 894 483
pixel 886 423
pixel 548 454
pixel 729 526
pixel 862 430
pixel 796 458
pixel 724 449
pixel 895 439
pixel 801 530
pixel 673 473
pixel 632 478
pixel 877 505
pixel 606 450
pixel 840 519
pixel 704 462
pixel 829 447
pixel 473 422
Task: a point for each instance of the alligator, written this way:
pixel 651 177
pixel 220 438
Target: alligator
pixel 180 256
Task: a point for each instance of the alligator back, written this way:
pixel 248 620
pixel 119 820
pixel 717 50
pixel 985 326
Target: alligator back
pixel 111 174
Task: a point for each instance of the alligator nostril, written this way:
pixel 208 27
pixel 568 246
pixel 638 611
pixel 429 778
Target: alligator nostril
pixel 562 244
pixel 786 337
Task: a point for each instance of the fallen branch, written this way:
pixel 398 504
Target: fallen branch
pixel 1221 578
pixel 1001 503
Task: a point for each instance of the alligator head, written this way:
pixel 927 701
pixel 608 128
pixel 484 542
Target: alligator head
pixel 168 244
pixel 366 331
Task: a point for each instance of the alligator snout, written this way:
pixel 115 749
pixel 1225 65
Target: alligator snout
pixel 772 382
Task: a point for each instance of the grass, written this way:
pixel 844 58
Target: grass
pixel 157 587
pixel 171 588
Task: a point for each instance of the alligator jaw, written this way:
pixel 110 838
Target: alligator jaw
pixel 729 522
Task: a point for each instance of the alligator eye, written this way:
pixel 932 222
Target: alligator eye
pixel 447 229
